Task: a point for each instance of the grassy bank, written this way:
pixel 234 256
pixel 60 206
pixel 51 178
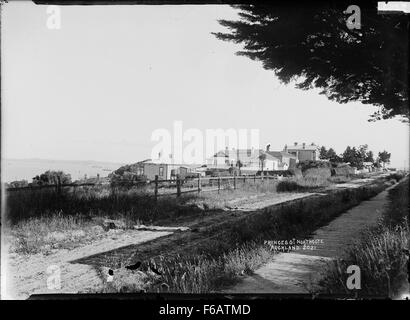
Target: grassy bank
pixel 42 220
pixel 379 253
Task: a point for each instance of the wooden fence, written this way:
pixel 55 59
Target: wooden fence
pixel 167 187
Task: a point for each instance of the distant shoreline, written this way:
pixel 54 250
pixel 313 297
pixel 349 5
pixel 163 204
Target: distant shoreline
pixel 26 169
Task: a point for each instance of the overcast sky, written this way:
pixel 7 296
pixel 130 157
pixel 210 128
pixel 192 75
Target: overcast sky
pixel 99 86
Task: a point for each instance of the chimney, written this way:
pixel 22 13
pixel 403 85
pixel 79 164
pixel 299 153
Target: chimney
pixel 304 144
pixel 295 144
pixel 267 147
pixel 285 148
pixel 159 155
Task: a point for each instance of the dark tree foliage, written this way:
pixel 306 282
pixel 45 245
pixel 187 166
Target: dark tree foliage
pixel 312 45
pixel 384 157
pixel 52 177
pixel 369 157
pixel 323 153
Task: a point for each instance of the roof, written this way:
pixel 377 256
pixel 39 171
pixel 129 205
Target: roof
pixel 300 147
pixel 220 154
pixel 228 152
pixel 270 157
pixel 279 154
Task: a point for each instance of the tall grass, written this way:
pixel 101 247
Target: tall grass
pixel 42 220
pixel 196 274
pixel 379 253
pixel 45 233
pixel 135 203
pixel 301 184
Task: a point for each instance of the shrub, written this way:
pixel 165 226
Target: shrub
pixel 302 184
pixel 52 177
pixel 287 186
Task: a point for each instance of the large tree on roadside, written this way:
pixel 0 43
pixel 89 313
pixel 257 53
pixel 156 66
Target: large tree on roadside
pixel 312 45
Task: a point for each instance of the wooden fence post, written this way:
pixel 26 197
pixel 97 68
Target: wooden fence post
pixel 199 182
pixel 244 179
pixel 234 181
pixel 178 185
pixel 254 178
pixel 156 188
pixel 219 184
pixel 59 185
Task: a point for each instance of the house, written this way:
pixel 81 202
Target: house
pixel 286 159
pixel 303 151
pixel 249 160
pixel 219 160
pixel 149 169
pixel 368 166
pixel 229 158
pixel 270 163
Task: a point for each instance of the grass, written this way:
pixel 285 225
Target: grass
pixel 242 247
pixel 43 234
pixel 302 184
pixel 215 200
pixel 204 275
pixel 132 203
pixel 199 274
pixel 379 253
pixel 42 220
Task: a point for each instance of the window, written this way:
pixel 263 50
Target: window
pixel 140 171
pixel 161 171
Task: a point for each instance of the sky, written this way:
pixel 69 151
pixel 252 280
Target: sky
pixel 101 84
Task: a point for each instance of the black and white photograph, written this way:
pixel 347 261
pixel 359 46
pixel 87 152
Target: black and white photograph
pixel 205 149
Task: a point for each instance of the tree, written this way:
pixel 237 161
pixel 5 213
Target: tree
pixel 239 165
pixel 52 177
pixel 332 156
pixel 352 155
pixel 262 158
pixel 369 157
pixel 384 157
pixel 323 153
pixel 313 46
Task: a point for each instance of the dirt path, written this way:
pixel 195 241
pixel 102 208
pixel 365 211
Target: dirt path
pixel 299 270
pixel 28 275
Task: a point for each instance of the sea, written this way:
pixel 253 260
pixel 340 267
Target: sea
pixel 26 169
